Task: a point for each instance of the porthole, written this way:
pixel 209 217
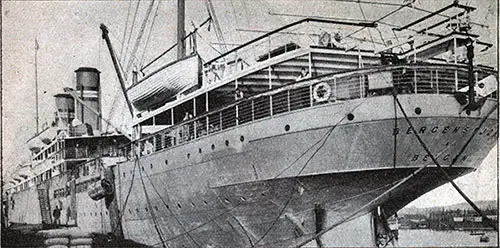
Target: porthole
pixel 242 138
pixel 166 161
pixel 146 209
pixel 199 150
pixel 179 205
pixel 156 208
pixel 287 128
pixel 213 147
pixel 129 211
pixel 142 168
pixel 227 142
pixel 418 110
pixel 188 155
pixel 350 116
pixel 151 166
pixel 123 174
pixel 137 210
pixel 167 206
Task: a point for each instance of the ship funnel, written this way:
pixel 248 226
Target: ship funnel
pixel 65 107
pixel 88 89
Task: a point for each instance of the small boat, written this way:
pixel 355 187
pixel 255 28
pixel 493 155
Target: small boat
pixel 484 239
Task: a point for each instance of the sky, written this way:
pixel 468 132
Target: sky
pixel 68 36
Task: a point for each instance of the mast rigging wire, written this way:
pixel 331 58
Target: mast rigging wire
pixel 132 28
pixel 139 36
pixel 149 34
pixel 369 32
pixel 379 19
pixel 218 31
pixel 126 27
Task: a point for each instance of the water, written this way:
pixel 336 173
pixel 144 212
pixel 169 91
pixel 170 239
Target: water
pixel 429 238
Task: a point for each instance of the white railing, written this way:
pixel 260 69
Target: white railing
pixel 406 79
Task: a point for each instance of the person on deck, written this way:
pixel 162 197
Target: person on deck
pixel 303 74
pixel 186 129
pixel 238 94
pixel 57 214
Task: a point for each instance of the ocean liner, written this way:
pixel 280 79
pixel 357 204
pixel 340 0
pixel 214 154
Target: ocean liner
pixel 300 133
pixel 69 157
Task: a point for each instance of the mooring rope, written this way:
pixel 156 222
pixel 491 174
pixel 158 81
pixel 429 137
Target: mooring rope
pixel 323 141
pixel 445 174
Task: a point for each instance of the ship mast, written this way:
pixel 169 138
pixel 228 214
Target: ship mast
pixel 36 86
pixel 181 32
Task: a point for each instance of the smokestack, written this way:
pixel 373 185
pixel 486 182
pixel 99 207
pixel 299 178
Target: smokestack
pixel 88 89
pixel 65 107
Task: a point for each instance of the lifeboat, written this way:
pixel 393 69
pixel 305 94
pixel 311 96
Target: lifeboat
pixel 162 85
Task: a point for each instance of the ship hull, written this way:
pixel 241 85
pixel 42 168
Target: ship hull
pixel 239 186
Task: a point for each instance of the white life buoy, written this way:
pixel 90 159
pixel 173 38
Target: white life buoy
pixel 322 92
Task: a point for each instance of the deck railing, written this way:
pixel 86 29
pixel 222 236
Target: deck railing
pixel 300 34
pixel 406 79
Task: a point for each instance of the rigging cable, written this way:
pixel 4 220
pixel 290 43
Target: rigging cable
pixel 445 174
pixel 153 216
pixel 218 31
pixel 348 218
pixel 369 32
pixel 132 28
pixel 126 27
pixel 171 212
pixel 323 142
pixel 379 19
pixel 122 212
pixel 394 159
pixel 208 43
pixel 139 36
pixel 149 34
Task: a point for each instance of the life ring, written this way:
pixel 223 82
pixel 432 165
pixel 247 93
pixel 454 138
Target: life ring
pixel 322 92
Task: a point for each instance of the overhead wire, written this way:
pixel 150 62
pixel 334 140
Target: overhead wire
pixel 139 36
pixel 126 26
pixel 149 34
pixel 132 28
pixel 369 32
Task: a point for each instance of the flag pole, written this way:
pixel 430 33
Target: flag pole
pixel 36 86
